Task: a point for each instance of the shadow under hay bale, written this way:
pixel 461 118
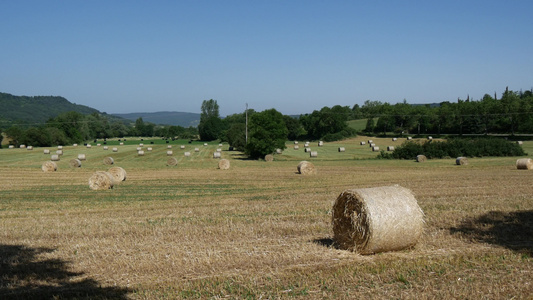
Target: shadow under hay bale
pixel 75 163
pixel 49 166
pixel 461 161
pixel 118 173
pixel 101 180
pixel 374 220
pixel 172 161
pixel 306 168
pixel 524 164
pixel 223 164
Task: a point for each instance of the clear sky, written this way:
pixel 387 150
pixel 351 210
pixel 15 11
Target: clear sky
pixel 292 55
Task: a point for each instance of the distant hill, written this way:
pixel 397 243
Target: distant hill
pixel 183 119
pixel 36 109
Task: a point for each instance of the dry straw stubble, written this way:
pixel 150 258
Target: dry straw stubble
pixel 373 220
pixel 101 180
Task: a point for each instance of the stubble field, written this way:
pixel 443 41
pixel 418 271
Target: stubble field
pixel 258 230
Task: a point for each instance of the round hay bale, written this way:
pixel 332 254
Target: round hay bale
pixel 81 157
pixel 59 152
pixel 75 163
pixel 205 144
pixel 279 151
pixel 29 148
pixel 121 144
pixel 307 150
pixel 296 142
pixel 296 147
pixel 172 161
pixel 409 138
pixel 118 173
pixel 269 157
pixel 106 148
pixel 524 164
pixel 187 154
pixel 115 149
pixel 370 141
pixel 89 146
pixel 342 149
pixel 394 139
pixel 219 150
pixel 182 147
pixel 140 153
pixel 169 147
pixel 375 148
pixel 101 180
pixel 149 148
pixel 22 146
pixel 108 161
pixel 371 145
pixel 196 149
pixel 421 158
pixel 520 142
pixel 11 146
pixel 169 153
pixel 141 145
pixel 313 154
pixel 306 168
pixel 216 155
pixel 46 151
pixel 54 157
pixel 461 161
pixel 430 138
pixel 49 166
pixel 320 143
pixel 374 220
pixel 362 143
pixel 59 147
pixel 223 164
pixel 74 145
pixel 98 145
pixel 390 148
pixel 139 148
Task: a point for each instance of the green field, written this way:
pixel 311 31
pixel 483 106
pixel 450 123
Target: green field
pixel 259 230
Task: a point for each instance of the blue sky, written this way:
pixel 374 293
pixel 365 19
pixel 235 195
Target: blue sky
pixel 294 56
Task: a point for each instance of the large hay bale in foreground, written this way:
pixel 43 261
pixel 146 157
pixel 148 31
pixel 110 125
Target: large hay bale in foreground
pixel 524 164
pixel 101 180
pixel 119 174
pixel 461 161
pixel 374 220
pixel 172 161
pixel 49 166
pixel 223 164
pixel 75 163
pixel 306 168
pixel 421 158
pixel 109 161
pixel 269 157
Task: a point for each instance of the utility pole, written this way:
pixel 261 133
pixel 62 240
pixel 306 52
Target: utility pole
pixel 246 111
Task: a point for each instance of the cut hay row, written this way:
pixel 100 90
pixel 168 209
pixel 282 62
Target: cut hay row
pixel 374 220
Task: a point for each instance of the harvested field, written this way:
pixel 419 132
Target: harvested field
pixel 258 230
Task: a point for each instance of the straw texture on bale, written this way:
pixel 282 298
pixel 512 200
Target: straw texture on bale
pixel 172 161
pixel 320 143
pixel 81 157
pixel 182 147
pixel 342 149
pixel 169 147
pixel 421 158
pixel 394 139
pixel 409 138
pixel 296 142
pixel 461 161
pixel 149 148
pixel 269 157
pixel 370 141
pixel 109 161
pixel 306 168
pixel 313 154
pixel 373 220
pixel 520 142
pixel 118 173
pixel 75 145
pixel 307 150
pixel 390 148
pixel 59 147
pixel 216 155
pixel 22 146
pixel 49 166
pixel 101 180
pixel 524 164
pixel 223 164
pixel 75 163
pixel 88 145
pixel 54 157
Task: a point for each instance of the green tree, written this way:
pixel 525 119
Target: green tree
pixel 295 129
pixel 211 125
pixel 236 136
pixel 267 132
